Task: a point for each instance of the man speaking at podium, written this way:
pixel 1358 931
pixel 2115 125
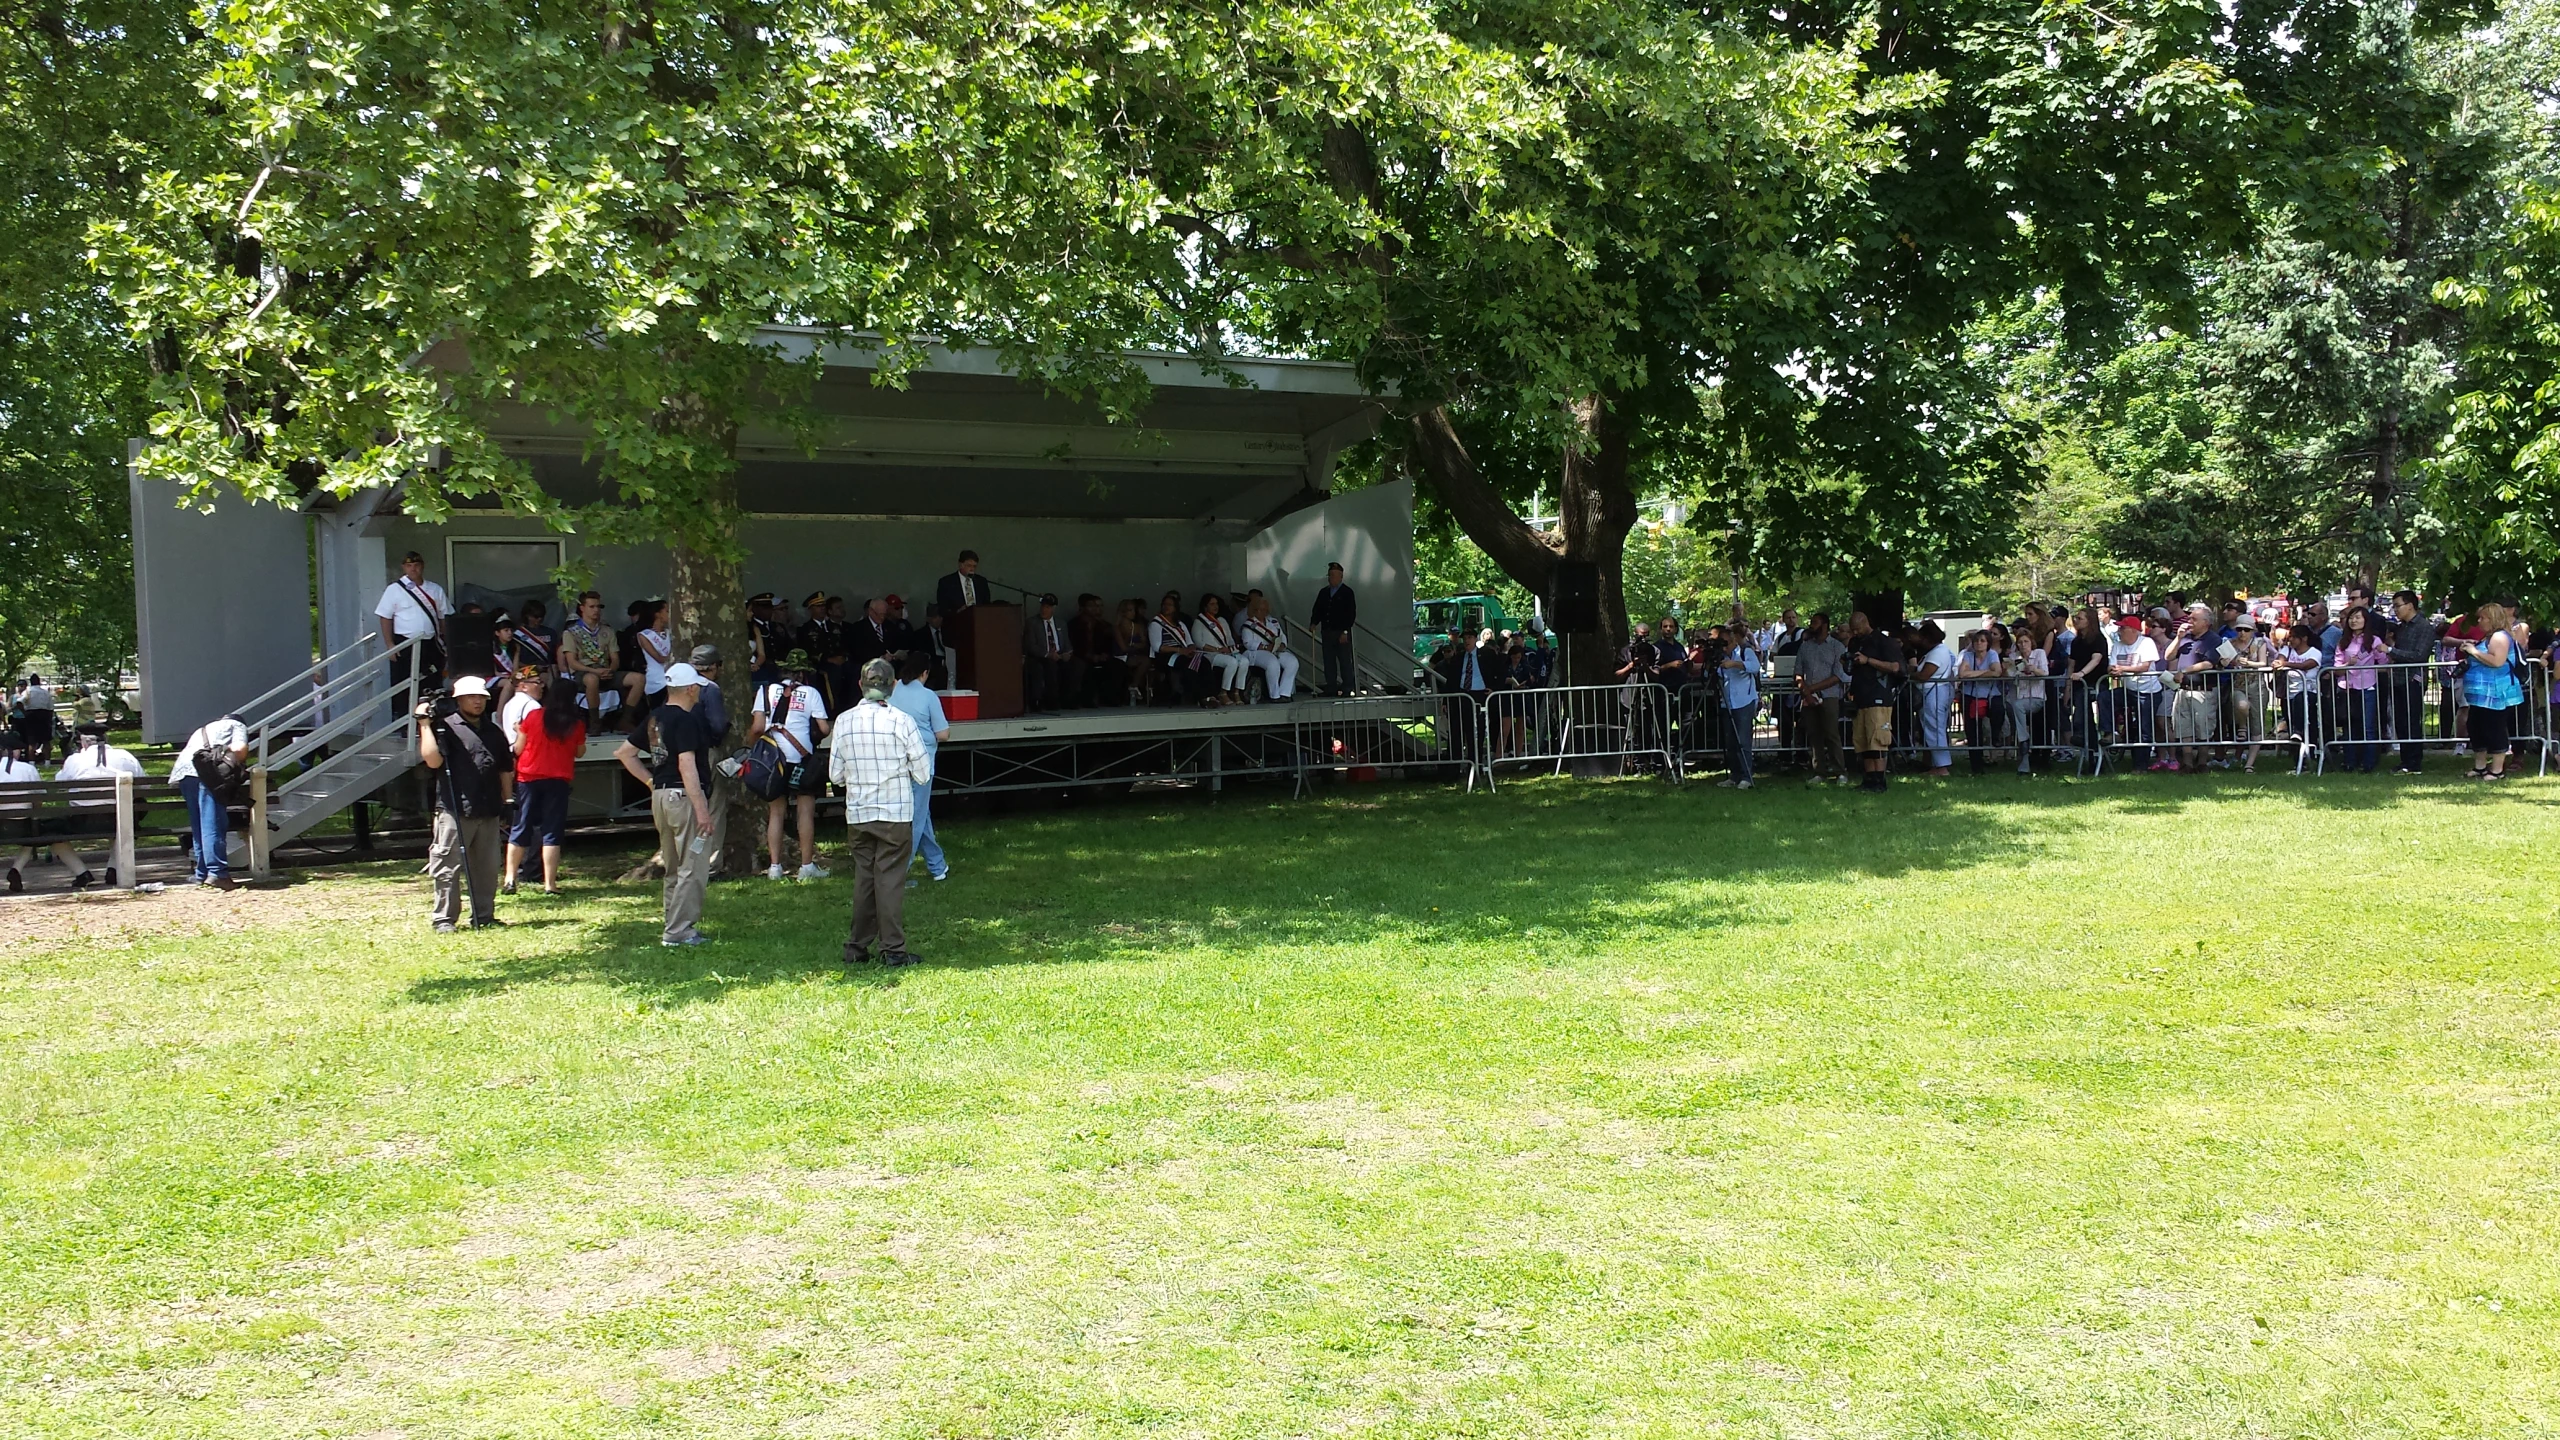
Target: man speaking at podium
pixel 961 589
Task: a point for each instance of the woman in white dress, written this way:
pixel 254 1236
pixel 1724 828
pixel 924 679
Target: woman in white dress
pixel 1266 648
pixel 1216 642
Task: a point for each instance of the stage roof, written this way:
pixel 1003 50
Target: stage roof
pixel 963 437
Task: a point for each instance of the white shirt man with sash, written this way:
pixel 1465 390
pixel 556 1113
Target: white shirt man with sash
pixel 414 607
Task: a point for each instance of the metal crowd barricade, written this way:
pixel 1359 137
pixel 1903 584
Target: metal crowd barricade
pixel 1376 736
pixel 2424 703
pixel 1632 725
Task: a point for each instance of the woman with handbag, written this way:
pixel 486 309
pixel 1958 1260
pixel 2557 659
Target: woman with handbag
pixel 790 717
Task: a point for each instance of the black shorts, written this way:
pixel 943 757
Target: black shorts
pixel 542 812
pixel 808 777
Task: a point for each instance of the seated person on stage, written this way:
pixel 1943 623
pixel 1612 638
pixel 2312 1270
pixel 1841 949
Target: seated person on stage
pixel 1266 647
pixel 932 646
pixel 591 654
pixel 962 588
pixel 768 638
pixel 820 634
pixel 535 640
pixel 902 631
pixel 657 652
pixel 1044 657
pixel 1176 660
pixel 874 636
pixel 1215 639
pixel 1129 641
pixel 1096 673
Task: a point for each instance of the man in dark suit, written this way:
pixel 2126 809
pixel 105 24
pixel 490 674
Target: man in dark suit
pixel 1335 614
pixel 934 647
pixel 961 589
pixel 1044 658
pixel 873 636
pixel 1096 674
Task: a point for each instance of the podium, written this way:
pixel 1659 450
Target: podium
pixel 986 656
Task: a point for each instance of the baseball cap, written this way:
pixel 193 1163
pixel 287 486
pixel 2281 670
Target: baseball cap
pixel 470 685
pixel 680 674
pixel 2244 621
pixel 2133 620
pixel 892 601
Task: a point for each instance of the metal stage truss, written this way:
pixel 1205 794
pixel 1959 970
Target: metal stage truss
pixel 1299 741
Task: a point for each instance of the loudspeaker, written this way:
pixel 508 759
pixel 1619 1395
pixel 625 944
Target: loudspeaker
pixel 1573 606
pixel 471 644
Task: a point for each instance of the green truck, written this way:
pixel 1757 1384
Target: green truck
pixel 1434 620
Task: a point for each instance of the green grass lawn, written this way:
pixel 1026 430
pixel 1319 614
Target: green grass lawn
pixel 2201 1108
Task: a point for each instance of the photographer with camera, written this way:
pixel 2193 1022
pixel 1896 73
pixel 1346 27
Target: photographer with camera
pixel 475 784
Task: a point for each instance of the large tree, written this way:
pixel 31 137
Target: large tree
pixel 596 209
pixel 85 96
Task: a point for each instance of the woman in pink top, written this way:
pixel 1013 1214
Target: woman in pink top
pixel 2358 665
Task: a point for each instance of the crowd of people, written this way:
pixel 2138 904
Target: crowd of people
pixel 500 736
pixel 1213 650
pixel 2187 685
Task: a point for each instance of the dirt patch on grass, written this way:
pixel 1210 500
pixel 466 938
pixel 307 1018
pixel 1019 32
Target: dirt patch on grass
pixel 118 919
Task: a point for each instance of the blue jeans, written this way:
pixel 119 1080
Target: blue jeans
pixel 1737 737
pixel 2364 724
pixel 922 841
pixel 207 823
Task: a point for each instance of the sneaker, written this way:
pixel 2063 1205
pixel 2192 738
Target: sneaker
pixel 773 871
pixel 444 927
pixel 811 871
pixel 697 938
pixel 2158 765
pixel 899 957
pixel 1729 783
pixel 1842 780
pixel 1741 784
pixel 855 955
pixel 492 923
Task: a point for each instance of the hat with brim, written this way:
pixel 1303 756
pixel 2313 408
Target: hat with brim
pixel 682 676
pixel 470 685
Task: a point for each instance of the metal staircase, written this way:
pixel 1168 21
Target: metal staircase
pixel 324 740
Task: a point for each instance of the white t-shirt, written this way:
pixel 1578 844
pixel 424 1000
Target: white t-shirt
pixel 1944 657
pixel 409 619
pixel 226 733
pixel 2141 651
pixel 39 698
pixel 19 772
pixel 2300 678
pixel 85 764
pixel 511 717
pixel 655 652
pixel 805 707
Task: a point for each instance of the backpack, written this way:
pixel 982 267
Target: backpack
pixel 227 778
pixel 761 769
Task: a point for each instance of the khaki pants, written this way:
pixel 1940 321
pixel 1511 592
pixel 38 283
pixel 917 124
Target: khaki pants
pixel 879 886
pixel 466 847
pixel 1822 731
pixel 688 864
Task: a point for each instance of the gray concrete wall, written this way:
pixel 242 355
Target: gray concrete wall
pixel 222 605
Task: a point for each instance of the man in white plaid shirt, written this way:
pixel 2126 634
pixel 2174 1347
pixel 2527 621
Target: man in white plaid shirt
pixel 877 759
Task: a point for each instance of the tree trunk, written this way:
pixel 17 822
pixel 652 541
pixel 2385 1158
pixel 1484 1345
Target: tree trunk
pixel 706 605
pixel 1595 507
